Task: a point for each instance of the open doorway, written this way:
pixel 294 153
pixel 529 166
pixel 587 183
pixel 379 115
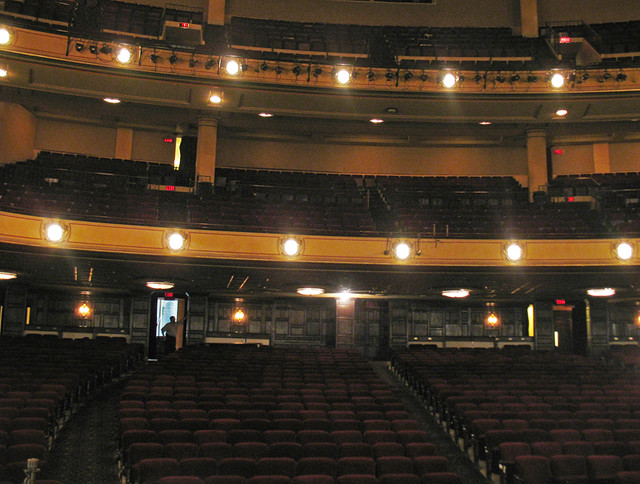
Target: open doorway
pixel 163 308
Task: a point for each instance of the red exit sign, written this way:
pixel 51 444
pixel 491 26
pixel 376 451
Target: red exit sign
pixel 170 188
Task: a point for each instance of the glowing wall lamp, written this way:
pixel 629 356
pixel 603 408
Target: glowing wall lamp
pixel 556 80
pixel 291 246
pixel 623 250
pixel 513 251
pixel 124 55
pixel 55 232
pixel 492 321
pixel 176 240
pixel 84 310
pixel 449 80
pixel 239 316
pixel 5 36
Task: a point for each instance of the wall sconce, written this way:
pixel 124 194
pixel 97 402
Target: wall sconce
pixel 5 36
pixel 124 54
pixel 636 321
pixel 84 310
pixel 623 250
pixel 492 321
pixel 239 316
pixel 513 251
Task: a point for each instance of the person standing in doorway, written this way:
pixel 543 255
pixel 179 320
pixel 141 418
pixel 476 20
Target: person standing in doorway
pixel 170 332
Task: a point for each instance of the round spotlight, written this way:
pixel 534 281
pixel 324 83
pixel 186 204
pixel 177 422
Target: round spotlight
pixel 124 55
pixel 54 232
pixel 402 250
pixel 161 285
pixel 310 291
pixel 5 36
pixel 449 80
pixel 513 252
pixel 215 99
pixel 562 112
pixel 176 241
pixel 291 247
pixel 601 292
pixel 111 100
pixel 343 76
pixel 6 276
pixel 455 293
pixel 624 251
pixel 232 67
pixel 557 80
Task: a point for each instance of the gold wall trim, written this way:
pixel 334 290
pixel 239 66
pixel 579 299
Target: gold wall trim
pixel 25 230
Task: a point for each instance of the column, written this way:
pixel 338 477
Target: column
pixel 17 133
pixel 206 151
pixel 601 160
pixel 124 143
pixel 536 160
pixel 529 18
pixel 345 317
pixel 215 12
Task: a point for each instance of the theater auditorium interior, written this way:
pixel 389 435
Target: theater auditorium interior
pixel 399 238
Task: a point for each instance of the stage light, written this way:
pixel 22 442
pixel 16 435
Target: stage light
pixel 606 76
pixel 296 70
pixel 531 78
pixel 124 55
pixel 389 76
pixel 5 36
pixel 209 64
pixel 343 76
pixel 621 77
pixel 478 78
pixel 557 80
pixel 585 76
pixel 407 76
pixel 154 58
pixel 317 71
pixel 500 78
pixel 192 62
pixel 449 80
pixel 424 77
pixel 514 78
pixel 79 46
pixel 264 66
pixel 232 67
pixel 278 70
pixel 371 76
pixel 93 49
pixel 173 59
pixel 106 49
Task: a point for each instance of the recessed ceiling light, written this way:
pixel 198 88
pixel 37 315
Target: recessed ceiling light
pixel 265 115
pixel 376 120
pixel 5 276
pixel 601 292
pixel 456 293
pixel 215 99
pixel 310 291
pixel 485 123
pixel 111 100
pixel 562 112
pixel 160 285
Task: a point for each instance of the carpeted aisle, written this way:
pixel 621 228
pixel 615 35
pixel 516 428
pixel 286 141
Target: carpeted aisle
pixel 458 461
pixel 85 449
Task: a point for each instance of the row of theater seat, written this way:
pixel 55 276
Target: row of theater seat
pixel 42 382
pixel 558 407
pixel 258 413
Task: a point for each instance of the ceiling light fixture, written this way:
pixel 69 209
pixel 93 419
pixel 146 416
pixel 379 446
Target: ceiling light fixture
pixel 79 46
pixel 310 291
pixel 376 121
pixel 209 64
pixel 55 232
pixel 232 67
pixel 160 285
pixel 455 293
pixel 449 80
pixel 601 292
pixel 290 246
pixel 111 100
pixel 176 241
pixel 265 115
pixel 296 70
pixel 6 276
pixel 562 112
pixel 215 98
pixel 484 123
pixel 4 72
pixel 93 48
pixel 402 250
pixel 173 59
pixel 343 76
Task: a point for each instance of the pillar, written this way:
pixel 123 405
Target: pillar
pixel 124 143
pixel 345 319
pixel 537 160
pixel 529 18
pixel 206 151
pixel 601 160
pixel 17 133
pixel 215 12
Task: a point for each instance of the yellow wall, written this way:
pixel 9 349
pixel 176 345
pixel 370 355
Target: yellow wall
pixel 17 133
pixel 624 157
pixel 373 159
pixel 150 146
pixel 76 138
